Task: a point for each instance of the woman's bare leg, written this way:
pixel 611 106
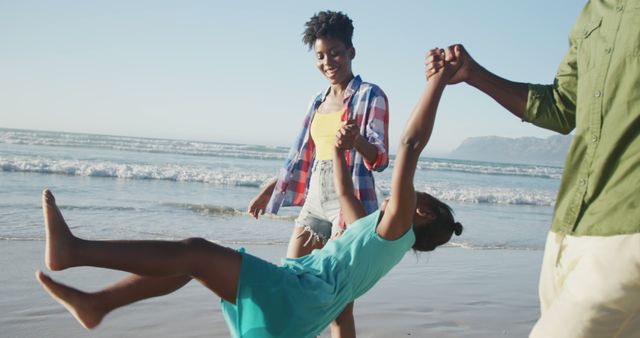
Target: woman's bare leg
pixel 344 325
pixel 90 308
pixel 216 267
pixel 297 247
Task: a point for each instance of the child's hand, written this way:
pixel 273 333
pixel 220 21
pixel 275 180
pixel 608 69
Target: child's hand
pixel 433 62
pixel 347 134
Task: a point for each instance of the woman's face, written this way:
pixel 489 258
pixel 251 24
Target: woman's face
pixel 333 59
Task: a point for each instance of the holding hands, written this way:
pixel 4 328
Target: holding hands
pixel 347 135
pixel 453 63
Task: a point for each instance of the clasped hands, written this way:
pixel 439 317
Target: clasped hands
pixel 454 59
pixel 347 135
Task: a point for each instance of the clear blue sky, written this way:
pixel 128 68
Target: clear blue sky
pixel 237 71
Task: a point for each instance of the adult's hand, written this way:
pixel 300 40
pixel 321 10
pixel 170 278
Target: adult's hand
pixel 258 205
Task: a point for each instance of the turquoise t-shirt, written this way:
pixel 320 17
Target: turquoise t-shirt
pixel 303 295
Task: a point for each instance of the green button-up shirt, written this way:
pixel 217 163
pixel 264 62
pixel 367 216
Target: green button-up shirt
pixel 597 92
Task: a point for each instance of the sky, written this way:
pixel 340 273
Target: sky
pixel 238 72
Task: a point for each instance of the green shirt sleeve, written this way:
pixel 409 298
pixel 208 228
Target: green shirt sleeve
pixel 596 95
pixel 553 106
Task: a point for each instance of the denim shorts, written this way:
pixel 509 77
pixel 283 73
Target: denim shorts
pixel 320 214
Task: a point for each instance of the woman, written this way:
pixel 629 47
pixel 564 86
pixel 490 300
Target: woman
pixel 299 298
pixel 306 178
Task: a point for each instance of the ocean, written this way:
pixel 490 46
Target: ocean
pixel 116 187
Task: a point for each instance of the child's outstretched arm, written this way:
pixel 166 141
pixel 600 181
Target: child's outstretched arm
pixel 398 216
pixel 350 206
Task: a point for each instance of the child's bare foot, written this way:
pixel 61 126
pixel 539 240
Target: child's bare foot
pixel 59 237
pixel 80 304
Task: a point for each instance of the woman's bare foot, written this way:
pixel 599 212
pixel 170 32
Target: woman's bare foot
pixel 80 304
pixel 59 237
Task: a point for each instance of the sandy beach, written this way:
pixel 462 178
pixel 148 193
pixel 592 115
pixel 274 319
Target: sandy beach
pixel 452 292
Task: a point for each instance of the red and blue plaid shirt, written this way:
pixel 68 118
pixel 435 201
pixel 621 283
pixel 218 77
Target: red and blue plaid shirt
pixel 365 103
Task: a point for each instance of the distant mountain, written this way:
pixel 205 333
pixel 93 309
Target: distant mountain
pixel 528 150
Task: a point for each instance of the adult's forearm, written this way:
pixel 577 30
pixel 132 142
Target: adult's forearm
pixel 268 189
pixel 511 95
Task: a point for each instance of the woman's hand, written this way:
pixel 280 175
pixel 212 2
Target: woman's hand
pixel 258 205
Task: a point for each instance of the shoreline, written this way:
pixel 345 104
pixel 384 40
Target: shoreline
pixel 451 292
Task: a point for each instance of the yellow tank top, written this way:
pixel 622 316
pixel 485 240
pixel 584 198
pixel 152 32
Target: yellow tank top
pixel 324 128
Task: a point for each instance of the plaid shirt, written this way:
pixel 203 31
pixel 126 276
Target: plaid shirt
pixel 367 104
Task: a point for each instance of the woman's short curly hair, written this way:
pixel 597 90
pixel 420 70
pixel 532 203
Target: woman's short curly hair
pixel 328 24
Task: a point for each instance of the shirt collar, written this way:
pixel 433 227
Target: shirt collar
pixel 352 87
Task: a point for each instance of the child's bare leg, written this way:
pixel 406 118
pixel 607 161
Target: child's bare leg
pixel 90 308
pixel 216 267
pixel 344 325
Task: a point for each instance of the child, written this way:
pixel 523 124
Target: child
pixel 299 298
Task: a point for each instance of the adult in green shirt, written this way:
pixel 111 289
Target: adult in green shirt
pixel 590 277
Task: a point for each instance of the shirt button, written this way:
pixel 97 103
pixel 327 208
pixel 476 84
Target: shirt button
pixel 597 93
pixel 594 139
pixel 607 50
pixel 583 181
pixel 619 8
